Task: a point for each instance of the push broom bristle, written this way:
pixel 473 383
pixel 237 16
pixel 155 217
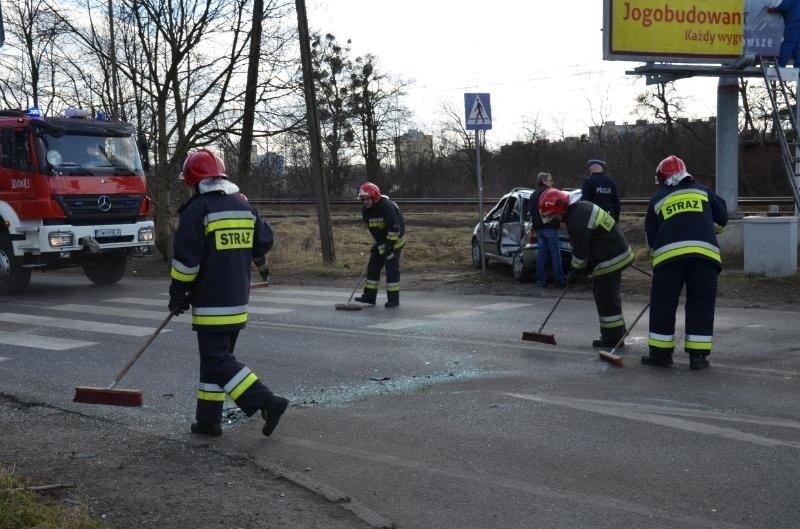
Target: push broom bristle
pixel 611 358
pixel 539 337
pixel 347 306
pixel 111 397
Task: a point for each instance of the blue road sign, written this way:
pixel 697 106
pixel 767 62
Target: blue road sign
pixel 477 111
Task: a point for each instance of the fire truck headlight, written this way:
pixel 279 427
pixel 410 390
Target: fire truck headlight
pixel 60 239
pixel 146 234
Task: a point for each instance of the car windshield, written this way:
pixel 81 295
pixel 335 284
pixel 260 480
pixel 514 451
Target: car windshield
pixel 83 154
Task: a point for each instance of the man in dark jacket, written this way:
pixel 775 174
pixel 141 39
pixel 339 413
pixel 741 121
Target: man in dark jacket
pixel 681 224
pixel 599 251
pixel 790 46
pixel 601 189
pixel 387 227
pixel 546 236
pixel 218 236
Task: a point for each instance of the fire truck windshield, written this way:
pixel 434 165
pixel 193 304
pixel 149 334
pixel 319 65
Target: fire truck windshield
pixel 81 154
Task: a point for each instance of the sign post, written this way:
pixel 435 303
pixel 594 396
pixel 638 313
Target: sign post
pixel 478 117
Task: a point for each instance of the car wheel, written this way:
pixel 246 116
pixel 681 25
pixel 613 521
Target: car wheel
pixel 13 278
pixel 476 254
pixel 518 268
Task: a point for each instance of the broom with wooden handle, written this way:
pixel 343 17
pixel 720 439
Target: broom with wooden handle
pixel 119 397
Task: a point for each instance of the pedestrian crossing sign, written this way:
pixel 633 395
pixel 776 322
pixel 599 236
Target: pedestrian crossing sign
pixel 478 111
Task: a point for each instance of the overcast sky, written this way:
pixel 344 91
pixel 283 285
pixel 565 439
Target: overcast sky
pixel 539 60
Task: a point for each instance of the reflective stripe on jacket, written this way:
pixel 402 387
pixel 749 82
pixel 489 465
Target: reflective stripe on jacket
pixel 598 245
pixel 217 238
pixel 386 224
pixel 683 221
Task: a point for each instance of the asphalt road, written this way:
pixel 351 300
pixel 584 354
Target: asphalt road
pixel 437 414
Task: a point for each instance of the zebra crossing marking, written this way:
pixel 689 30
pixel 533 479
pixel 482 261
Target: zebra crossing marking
pixel 41 342
pixel 160 303
pixel 289 301
pixel 503 305
pixel 456 314
pixel 395 325
pixel 110 311
pixel 79 325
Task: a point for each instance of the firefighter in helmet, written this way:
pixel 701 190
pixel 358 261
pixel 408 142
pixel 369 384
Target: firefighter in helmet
pixel 599 251
pixel 218 236
pixel 681 225
pixel 387 226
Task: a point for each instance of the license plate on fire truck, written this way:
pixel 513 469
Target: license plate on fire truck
pixel 107 232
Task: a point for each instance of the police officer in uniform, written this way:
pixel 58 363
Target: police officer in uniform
pixel 599 251
pixel 681 225
pixel 601 189
pixel 218 236
pixel 388 228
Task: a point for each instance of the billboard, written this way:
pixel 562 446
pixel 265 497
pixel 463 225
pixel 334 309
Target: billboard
pixel 701 31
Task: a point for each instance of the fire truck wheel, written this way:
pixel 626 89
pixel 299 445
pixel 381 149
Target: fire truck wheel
pixel 105 269
pixel 13 278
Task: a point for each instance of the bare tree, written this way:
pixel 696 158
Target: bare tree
pixel 31 56
pixel 331 63
pixel 374 99
pixel 663 105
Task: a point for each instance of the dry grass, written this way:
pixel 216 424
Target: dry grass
pixel 431 242
pixel 22 509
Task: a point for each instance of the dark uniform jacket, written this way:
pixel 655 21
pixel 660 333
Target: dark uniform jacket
pixel 218 236
pixel 598 245
pixel 600 189
pixel 683 221
pixel 386 224
pixel 536 216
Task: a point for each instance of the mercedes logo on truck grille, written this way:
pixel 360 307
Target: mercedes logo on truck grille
pixel 104 202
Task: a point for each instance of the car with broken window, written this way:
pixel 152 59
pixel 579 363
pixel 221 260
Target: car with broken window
pixel 505 236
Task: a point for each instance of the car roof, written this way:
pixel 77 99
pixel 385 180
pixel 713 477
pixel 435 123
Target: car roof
pixel 526 191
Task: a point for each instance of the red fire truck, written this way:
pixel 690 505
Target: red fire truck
pixel 72 193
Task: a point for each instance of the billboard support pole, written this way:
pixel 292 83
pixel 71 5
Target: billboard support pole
pixel 727 184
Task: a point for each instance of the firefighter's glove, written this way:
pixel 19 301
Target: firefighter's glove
pixel 178 301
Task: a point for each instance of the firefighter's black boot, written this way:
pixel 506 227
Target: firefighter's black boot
pixel 608 343
pixel 698 361
pixel 392 299
pixel 207 428
pixel 367 297
pixel 271 413
pixel 657 359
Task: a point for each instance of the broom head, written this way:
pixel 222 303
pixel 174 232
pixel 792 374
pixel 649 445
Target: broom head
pixel 539 337
pixel 262 284
pixel 611 357
pixel 111 397
pixel 347 306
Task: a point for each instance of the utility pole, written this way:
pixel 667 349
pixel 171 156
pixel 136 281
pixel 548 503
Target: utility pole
pixel 112 53
pixel 312 118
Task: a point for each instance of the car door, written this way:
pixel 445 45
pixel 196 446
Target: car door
pixel 491 228
pixel 511 226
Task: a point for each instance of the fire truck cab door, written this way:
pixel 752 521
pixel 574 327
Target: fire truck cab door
pixel 17 173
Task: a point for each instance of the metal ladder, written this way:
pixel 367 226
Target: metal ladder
pixel 779 98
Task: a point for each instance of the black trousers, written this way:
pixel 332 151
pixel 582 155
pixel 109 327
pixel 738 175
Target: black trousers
pixel 221 374
pixel 608 301
pixel 377 262
pixel 699 276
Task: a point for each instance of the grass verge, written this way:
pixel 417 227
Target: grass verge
pixel 23 508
